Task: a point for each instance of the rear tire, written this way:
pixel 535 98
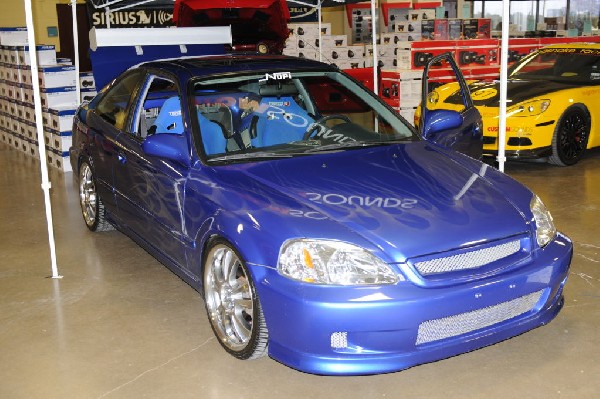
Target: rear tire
pixel 92 208
pixel 570 136
pixel 232 305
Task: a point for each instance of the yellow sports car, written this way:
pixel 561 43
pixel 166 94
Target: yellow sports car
pixel 553 104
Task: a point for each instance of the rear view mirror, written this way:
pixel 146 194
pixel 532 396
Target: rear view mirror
pixel 440 120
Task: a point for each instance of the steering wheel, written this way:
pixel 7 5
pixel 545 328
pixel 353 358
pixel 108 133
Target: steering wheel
pixel 321 121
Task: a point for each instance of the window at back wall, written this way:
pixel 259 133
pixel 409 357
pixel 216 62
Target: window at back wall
pixel 526 14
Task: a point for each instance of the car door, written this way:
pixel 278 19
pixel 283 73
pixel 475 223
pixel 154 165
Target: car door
pixel 465 135
pixel 106 121
pixel 150 190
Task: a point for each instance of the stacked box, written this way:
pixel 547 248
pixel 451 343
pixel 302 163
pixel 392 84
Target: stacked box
pixel 441 29
pixel 17 113
pixel 46 55
pixel 415 55
pixel 59 96
pixel 13 36
pixel 477 52
pixel 477 28
pixel 52 76
pixel 455 29
pixel 402 88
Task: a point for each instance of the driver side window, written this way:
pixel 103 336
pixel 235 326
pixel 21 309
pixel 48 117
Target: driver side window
pixel 160 108
pixel 115 106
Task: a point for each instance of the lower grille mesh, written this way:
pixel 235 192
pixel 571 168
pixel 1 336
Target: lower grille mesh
pixel 434 330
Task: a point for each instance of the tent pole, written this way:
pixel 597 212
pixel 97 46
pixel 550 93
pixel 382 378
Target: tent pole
pixel 503 85
pixel 40 135
pixel 320 38
pixel 374 32
pixel 76 50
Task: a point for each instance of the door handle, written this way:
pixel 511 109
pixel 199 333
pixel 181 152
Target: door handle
pixel 121 157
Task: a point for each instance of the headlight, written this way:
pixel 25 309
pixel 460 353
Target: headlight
pixel 433 97
pixel 545 230
pixel 332 262
pixel 530 108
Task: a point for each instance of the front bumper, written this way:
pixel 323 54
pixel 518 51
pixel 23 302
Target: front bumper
pixel 367 330
pixel 537 153
pixel 526 138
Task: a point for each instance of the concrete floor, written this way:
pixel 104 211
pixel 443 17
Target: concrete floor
pixel 120 325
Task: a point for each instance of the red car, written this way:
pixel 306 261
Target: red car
pixel 256 25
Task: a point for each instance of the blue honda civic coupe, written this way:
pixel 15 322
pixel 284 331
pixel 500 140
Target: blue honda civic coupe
pixel 319 226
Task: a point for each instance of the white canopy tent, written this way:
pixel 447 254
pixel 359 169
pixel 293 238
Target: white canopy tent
pixel 106 4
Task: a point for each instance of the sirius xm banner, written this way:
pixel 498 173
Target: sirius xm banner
pixel 127 14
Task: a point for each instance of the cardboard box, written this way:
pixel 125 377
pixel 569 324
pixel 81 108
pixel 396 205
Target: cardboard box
pixel 25 72
pixel 61 141
pixel 30 131
pixel 477 52
pixel 428 29
pixel 59 96
pixel 477 28
pixel 415 55
pixel 389 38
pixel 60 119
pixel 30 113
pixel 440 30
pixel 34 150
pixel 59 161
pixel 408 113
pixel 87 95
pixel 46 55
pixel 356 52
pixel 455 29
pixel 13 36
pixel 57 76
pixel 413 27
pixel 13 55
pixel 311 54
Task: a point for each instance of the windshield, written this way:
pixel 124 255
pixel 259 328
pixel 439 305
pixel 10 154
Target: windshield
pixel 569 65
pixel 285 114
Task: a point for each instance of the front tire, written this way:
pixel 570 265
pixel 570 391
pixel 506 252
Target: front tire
pixel 232 304
pixel 92 208
pixel 570 136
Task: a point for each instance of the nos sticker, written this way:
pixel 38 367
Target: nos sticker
pixel 484 94
pixel 276 76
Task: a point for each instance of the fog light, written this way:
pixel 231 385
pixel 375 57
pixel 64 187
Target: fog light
pixel 339 340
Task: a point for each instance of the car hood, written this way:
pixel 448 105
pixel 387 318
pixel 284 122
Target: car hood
pixel 405 200
pixel 488 94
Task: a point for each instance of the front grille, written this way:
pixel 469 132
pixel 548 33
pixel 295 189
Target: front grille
pixel 519 142
pixel 489 140
pixel 452 326
pixel 468 260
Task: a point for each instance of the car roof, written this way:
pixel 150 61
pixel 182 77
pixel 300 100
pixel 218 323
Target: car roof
pixel 220 64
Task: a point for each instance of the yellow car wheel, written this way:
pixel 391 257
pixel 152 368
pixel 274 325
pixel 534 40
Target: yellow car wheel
pixel 570 136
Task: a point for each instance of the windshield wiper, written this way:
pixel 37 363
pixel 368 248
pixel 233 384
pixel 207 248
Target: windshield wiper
pixel 349 144
pixel 250 155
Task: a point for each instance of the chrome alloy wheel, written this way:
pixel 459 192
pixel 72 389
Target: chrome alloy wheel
pixel 87 195
pixel 229 298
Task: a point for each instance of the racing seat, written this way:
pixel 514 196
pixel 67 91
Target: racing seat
pixel 169 119
pixel 212 128
pixel 281 120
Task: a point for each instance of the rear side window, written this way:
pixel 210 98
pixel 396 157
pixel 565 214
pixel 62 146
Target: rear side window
pixel 114 106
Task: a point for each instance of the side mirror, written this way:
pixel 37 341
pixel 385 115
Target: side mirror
pixel 439 120
pixel 168 146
